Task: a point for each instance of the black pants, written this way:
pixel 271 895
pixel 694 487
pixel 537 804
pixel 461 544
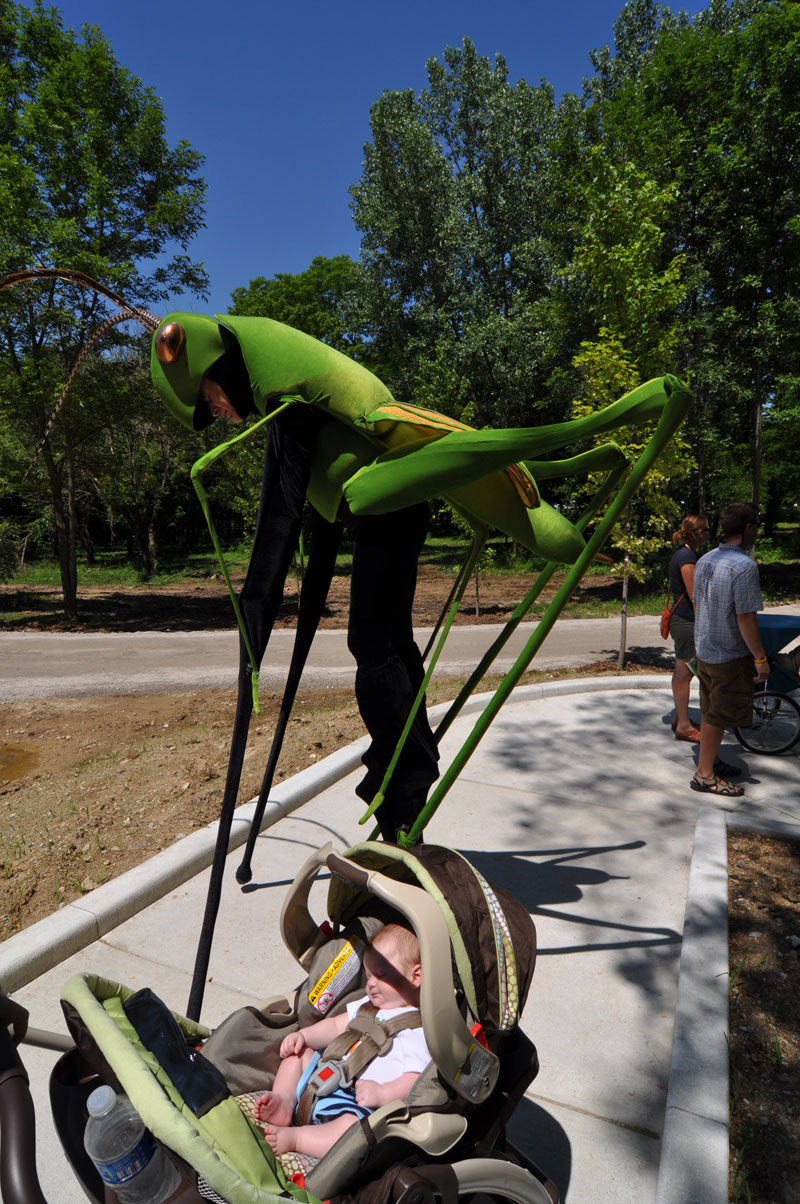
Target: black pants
pixel 380 635
pixel 389 670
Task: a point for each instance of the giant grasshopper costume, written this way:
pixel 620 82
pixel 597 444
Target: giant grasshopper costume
pixel 338 439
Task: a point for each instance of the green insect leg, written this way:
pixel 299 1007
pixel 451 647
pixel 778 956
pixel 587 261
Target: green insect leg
pixel 674 411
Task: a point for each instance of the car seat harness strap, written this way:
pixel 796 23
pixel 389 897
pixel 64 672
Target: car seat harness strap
pixel 364 1039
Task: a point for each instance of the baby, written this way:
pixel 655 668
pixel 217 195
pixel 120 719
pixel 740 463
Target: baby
pixel 392 964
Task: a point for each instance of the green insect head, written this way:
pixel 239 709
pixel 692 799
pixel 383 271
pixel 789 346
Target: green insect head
pixel 185 346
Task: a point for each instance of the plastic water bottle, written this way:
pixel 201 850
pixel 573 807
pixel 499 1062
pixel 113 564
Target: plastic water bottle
pixel 124 1152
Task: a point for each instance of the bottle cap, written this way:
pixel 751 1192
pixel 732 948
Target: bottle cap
pixel 101 1101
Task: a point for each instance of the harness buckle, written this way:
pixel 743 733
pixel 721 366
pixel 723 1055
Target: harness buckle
pixel 328 1076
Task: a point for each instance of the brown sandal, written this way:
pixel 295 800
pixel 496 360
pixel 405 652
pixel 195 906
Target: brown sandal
pixel 715 785
pixel 691 737
pixel 674 724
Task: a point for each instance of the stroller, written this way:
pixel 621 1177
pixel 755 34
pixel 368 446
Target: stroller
pixel 477 953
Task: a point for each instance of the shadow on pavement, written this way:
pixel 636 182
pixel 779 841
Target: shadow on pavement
pixel 552 882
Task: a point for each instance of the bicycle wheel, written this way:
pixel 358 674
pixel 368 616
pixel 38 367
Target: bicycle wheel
pixel 775 726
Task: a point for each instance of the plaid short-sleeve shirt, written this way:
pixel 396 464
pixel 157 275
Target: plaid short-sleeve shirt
pixel 726 584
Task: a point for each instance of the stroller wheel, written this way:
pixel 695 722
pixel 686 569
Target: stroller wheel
pixel 505 1180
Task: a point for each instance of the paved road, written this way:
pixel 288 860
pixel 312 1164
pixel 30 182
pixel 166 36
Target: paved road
pixel 35 665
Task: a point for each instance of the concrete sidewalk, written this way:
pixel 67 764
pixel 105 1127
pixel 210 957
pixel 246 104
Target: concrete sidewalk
pixel 578 802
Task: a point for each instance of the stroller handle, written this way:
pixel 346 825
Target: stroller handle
pixel 14 1015
pixel 19 1181
pixel 356 875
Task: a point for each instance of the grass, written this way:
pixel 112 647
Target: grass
pixel 740 1187
pixel 114 569
pixel 646 603
pixel 736 974
pixel 780 559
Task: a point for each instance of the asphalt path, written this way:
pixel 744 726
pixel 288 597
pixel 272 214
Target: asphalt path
pixel 72 664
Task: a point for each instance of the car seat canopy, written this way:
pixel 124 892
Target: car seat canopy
pixel 492 936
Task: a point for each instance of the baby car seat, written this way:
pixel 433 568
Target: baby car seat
pixel 477 953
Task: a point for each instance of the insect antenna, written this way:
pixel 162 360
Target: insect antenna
pixel 129 312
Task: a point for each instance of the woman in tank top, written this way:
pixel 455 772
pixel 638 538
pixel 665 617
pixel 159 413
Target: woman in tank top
pixel 691 533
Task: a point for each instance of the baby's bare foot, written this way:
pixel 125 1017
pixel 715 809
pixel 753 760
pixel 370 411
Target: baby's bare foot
pixel 273 1108
pixel 279 1137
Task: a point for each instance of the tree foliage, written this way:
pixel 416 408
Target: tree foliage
pixel 319 301
pixel 714 108
pixel 632 287
pixel 465 214
pixel 522 260
pixel 518 258
pixel 88 182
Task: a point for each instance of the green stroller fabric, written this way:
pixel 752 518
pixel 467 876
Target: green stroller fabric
pixel 221 1145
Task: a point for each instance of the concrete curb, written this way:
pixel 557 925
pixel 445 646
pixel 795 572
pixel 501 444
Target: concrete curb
pixel 31 952
pixel 37 949
pixel 695 1142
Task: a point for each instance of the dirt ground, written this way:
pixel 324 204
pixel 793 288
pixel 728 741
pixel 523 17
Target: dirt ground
pixel 203 604
pixel 94 787
pixel 90 788
pixel 764 918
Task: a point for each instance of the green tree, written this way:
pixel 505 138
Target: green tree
pixel 715 110
pixel 319 301
pixel 632 288
pixel 637 31
pixel 88 182
pixel 466 214
pixel 136 465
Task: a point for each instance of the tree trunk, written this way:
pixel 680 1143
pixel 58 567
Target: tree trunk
pixel 623 631
pixel 87 543
pixel 757 425
pixel 702 492
pixel 141 527
pixel 477 596
pixel 152 547
pixel 772 508
pixel 72 525
pixel 66 565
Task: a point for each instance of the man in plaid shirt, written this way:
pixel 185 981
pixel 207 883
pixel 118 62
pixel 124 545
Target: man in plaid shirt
pixel 730 655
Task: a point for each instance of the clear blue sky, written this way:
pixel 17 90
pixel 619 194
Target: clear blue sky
pixel 276 95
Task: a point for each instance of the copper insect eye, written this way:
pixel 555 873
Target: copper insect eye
pixel 170 342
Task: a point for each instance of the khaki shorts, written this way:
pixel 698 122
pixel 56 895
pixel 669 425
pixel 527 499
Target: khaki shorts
pixel 726 692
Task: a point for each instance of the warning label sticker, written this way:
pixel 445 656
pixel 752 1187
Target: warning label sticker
pixel 339 977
